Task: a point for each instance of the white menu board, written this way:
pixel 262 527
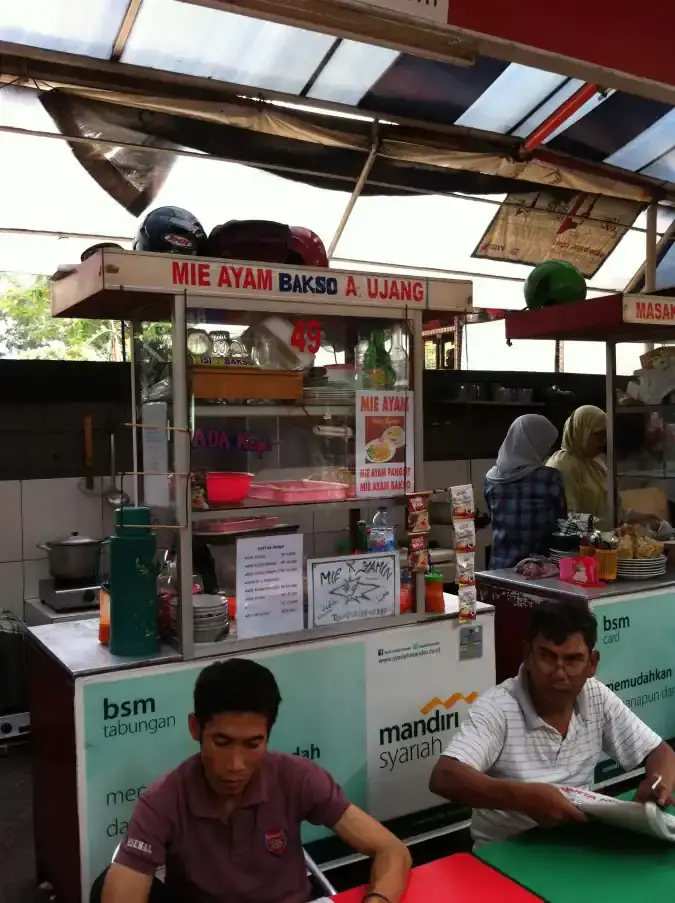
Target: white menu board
pixel 269 585
pixel 385 451
pixel 353 587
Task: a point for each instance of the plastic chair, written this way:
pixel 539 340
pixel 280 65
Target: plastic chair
pixel 321 884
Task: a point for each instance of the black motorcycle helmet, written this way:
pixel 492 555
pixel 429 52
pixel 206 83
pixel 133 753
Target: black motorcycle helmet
pixel 170 230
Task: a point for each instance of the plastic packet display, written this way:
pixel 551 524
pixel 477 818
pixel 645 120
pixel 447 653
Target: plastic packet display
pixel 467 604
pixel 466 569
pixel 465 535
pixel 463 506
pixel 417 510
pixel 418 551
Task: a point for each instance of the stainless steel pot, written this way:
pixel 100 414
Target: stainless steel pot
pixel 74 557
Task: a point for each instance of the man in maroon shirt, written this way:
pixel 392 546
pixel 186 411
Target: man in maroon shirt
pixel 226 823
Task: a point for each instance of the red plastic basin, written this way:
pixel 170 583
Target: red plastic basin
pixel 227 487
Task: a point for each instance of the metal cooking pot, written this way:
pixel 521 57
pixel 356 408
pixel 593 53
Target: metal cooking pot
pixel 74 557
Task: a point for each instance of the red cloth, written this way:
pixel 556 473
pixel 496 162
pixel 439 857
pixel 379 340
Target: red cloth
pixel 456 879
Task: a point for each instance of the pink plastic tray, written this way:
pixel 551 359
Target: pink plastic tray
pixel 290 491
pixel 239 526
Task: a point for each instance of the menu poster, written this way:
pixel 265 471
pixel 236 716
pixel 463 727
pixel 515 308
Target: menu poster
pixel 269 585
pixel 353 587
pixel 384 443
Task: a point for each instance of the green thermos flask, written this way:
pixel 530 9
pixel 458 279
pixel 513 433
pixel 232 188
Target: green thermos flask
pixel 133 584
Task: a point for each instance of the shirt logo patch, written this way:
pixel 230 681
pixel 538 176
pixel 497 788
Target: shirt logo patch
pixel 139 845
pixel 275 841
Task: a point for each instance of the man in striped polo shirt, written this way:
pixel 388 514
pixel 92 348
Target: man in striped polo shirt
pixel 547 728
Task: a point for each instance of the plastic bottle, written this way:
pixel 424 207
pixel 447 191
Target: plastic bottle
pixel 382 535
pixel 399 358
pixel 434 600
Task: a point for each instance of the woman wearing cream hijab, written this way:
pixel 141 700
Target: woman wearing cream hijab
pixel 582 463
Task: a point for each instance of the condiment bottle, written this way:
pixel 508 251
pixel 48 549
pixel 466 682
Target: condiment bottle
pixel 378 372
pixel 433 592
pixel 407 592
pixel 104 616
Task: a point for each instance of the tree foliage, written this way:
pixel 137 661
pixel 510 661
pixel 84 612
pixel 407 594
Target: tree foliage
pixel 28 330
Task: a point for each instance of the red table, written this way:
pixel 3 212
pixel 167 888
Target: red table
pixel 457 879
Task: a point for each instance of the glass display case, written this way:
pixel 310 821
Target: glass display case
pixel 278 432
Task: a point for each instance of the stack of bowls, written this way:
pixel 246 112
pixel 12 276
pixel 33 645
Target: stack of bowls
pixel 211 617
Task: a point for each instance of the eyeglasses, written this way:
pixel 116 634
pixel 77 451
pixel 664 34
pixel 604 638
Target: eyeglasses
pixel 550 662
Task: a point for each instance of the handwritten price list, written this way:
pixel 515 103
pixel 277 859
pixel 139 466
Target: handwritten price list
pixel 269 585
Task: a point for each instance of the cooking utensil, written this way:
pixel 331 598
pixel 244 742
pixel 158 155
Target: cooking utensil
pixel 74 557
pixel 116 498
pixel 89 451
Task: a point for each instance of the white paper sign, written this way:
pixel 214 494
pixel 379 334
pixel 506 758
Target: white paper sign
pixel 353 587
pixel 269 585
pixel 155 454
pixel 385 450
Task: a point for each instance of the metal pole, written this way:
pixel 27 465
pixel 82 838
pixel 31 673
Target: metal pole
pixel 134 412
pixel 650 255
pixel 181 466
pixel 610 407
pixel 418 428
pixel 356 193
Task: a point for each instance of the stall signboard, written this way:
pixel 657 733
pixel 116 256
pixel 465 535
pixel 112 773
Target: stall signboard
pixel 269 585
pixel 385 451
pixel 635 640
pixel 201 277
pixel 646 310
pixel 376 711
pixel 434 10
pixel 352 587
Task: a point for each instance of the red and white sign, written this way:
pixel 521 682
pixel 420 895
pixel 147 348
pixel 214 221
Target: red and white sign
pixel 646 310
pixel 385 450
pixel 201 277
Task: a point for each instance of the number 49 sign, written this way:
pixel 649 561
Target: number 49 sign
pixel 307 336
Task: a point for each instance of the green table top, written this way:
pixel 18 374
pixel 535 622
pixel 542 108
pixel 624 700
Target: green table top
pixel 586 864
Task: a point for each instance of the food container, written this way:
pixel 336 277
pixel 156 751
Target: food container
pixel 74 557
pixel 227 487
pixel 291 491
pixel 606 560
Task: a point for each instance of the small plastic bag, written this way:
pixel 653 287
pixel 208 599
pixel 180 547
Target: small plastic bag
pixel 467 604
pixel 463 506
pixel 465 535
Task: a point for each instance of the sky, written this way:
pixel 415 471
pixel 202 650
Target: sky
pixel 48 190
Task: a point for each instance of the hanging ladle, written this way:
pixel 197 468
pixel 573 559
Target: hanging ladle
pixel 115 497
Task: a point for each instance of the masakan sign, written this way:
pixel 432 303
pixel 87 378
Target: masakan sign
pixel 645 310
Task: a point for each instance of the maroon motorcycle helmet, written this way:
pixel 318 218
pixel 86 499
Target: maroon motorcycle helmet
pixel 306 248
pixel 250 239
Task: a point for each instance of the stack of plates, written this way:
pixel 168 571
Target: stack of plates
pixel 641 568
pixel 210 617
pixel 332 393
pixel 555 555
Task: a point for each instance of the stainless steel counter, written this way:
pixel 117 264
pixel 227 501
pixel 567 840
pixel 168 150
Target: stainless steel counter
pixel 75 645
pixel 555 589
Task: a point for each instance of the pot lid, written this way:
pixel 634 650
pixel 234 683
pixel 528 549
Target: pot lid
pixel 75 539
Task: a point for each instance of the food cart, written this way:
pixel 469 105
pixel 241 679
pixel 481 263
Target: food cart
pixel 120 723
pixel 636 617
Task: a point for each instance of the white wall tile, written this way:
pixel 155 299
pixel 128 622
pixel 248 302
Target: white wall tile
pixel 11 540
pixel 331 518
pixel 33 572
pixel 54 508
pixel 327 544
pixel 11 587
pixel 441 474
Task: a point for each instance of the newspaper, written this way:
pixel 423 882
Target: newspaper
pixel 640 818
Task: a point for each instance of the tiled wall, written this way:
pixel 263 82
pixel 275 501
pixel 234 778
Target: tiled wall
pixel 33 511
